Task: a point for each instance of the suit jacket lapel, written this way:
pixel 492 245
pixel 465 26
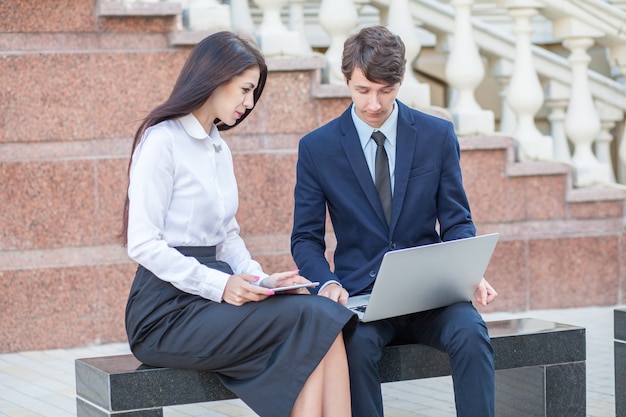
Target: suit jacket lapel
pixel 406 141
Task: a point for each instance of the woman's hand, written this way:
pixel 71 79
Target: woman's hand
pixel 239 290
pixel 284 279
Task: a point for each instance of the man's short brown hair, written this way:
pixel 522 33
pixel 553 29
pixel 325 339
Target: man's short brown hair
pixel 377 52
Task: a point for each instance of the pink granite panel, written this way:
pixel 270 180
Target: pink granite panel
pixel 47 16
pixel 544 197
pixel 595 209
pixel 64 307
pixel 15 310
pixel 48 97
pixel 493 197
pixel 114 286
pixel 111 186
pixel 286 105
pixel 138 24
pixel 573 272
pixel 66 42
pixel 507 273
pixel 127 86
pixel 276 263
pixel 329 109
pixel 53 308
pixel 46 204
pixel 266 183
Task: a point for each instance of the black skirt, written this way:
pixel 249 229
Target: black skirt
pixel 262 351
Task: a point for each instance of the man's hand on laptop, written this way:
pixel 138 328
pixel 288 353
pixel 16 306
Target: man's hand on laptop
pixel 335 292
pixel 485 293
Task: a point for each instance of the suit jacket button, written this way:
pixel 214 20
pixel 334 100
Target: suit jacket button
pixel 393 245
pixel 372 274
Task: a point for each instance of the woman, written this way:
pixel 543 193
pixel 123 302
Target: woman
pixel 198 299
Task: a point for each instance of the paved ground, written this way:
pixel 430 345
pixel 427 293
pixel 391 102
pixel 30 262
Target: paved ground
pixel 41 383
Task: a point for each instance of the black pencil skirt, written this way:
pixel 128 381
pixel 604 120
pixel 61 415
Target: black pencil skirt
pixel 262 351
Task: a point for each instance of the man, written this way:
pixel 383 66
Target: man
pixel 338 170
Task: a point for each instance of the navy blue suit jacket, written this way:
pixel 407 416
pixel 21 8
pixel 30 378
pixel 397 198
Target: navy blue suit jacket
pixel 332 174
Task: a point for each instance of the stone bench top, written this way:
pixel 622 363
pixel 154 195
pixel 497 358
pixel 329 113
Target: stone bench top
pixel 124 383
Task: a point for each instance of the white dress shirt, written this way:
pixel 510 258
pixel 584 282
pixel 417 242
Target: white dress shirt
pixel 183 192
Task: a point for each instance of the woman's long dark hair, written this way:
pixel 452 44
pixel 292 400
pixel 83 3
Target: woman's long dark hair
pixel 215 60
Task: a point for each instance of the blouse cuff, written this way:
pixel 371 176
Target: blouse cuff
pixel 214 286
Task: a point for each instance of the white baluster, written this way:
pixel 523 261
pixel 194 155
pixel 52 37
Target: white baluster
pixel 296 24
pixel 621 158
pixel 241 18
pixel 525 95
pixel 273 36
pixel 338 18
pixel 557 97
pixel 400 21
pixel 582 123
pixel 609 117
pixel 501 70
pixel 206 15
pixel 464 72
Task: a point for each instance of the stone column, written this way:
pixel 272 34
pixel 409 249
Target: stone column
pixel 296 24
pixel 240 17
pixel 582 123
pixel 525 95
pixel 338 18
pixel 204 15
pixel 501 70
pixel 464 72
pixel 557 97
pixel 273 36
pixel 400 21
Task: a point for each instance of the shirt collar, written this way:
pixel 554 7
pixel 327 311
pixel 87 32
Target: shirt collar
pixel 389 128
pixel 194 128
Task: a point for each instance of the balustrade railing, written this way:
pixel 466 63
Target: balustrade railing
pixel 552 98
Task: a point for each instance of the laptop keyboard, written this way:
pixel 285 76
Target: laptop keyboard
pixel 359 308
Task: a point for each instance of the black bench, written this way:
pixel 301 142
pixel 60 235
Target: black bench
pixel 540 371
pixel 619 326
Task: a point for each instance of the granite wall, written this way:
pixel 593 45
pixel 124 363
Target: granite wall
pixel 74 85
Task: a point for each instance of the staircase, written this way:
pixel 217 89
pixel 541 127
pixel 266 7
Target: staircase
pixel 72 94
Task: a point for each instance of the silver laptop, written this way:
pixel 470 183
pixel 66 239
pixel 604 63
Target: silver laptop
pixel 426 277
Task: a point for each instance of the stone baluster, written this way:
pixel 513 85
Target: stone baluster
pixel 296 24
pixel 557 97
pixel 241 18
pixel 203 15
pixel 338 18
pixel 617 55
pixel 400 21
pixel 501 70
pixel 582 123
pixel 464 72
pixel 609 117
pixel 525 95
pixel 273 36
pixel 621 157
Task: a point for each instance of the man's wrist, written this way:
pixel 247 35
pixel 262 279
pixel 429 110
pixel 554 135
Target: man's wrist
pixel 332 281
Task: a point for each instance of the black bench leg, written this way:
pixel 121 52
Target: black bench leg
pixel 542 391
pixel 86 409
pixel 620 378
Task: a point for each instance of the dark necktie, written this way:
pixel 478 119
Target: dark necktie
pixel 383 181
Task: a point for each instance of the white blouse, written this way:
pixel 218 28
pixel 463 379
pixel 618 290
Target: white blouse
pixel 183 192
